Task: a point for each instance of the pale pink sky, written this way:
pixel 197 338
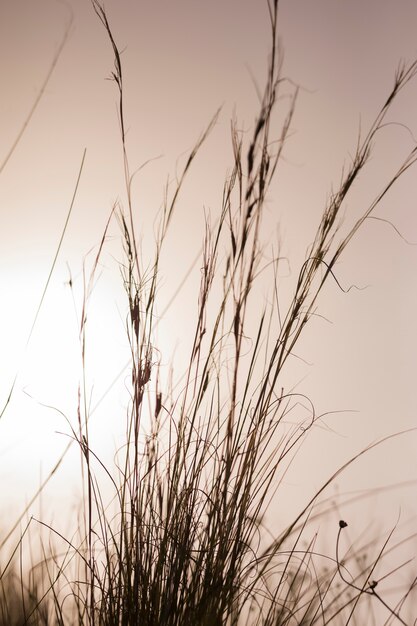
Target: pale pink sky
pixel 182 60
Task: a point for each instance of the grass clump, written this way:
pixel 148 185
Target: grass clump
pixel 184 538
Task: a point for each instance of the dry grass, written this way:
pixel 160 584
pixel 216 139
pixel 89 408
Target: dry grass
pixel 184 540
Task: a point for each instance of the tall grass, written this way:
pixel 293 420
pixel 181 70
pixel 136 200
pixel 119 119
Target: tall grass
pixel 185 538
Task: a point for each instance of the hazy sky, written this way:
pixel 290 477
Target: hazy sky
pixel 182 60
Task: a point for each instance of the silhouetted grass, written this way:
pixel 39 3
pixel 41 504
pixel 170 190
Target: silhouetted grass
pixel 185 539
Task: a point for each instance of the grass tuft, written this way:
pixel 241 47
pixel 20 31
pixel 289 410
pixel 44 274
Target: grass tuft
pixel 185 538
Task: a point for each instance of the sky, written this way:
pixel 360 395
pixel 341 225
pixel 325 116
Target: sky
pixel 182 61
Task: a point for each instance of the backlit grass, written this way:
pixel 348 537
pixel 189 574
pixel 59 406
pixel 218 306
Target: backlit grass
pixel 185 537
